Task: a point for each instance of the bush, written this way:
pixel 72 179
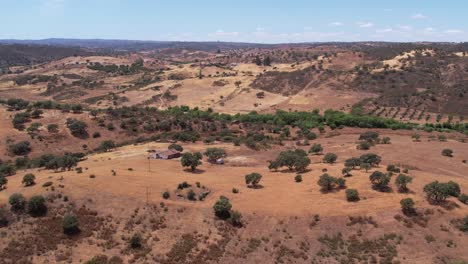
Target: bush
pixel 192 160
pixel 135 241
pixel 402 182
pixel 166 195
pixel 330 158
pixel 371 159
pixel 176 147
pixel 52 128
pixel 77 128
pixel 328 182
pixel 107 145
pixel 96 135
pixel 37 206
pixel 17 202
pixel 352 162
pixel 3 182
pixel 235 190
pixel 316 148
pixel 253 179
pixel 386 140
pixel 407 206
pixel 235 219
pixel 47 184
pixel 70 224
pixel 222 208
pixel 369 136
pixel 463 198
pixel 3 217
pixel 436 192
pixel 298 178
pixel 29 179
pixel 352 195
pixel 453 189
pixel 20 149
pixel 293 159
pixel 393 168
pixel 346 171
pixel 364 145
pixel 191 195
pixel 447 152
pixel 380 180
pixel 213 154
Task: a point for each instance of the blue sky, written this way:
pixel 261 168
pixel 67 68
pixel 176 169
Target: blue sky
pixel 237 20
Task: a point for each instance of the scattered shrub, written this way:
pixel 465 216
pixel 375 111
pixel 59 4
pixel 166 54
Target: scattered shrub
pixel 352 195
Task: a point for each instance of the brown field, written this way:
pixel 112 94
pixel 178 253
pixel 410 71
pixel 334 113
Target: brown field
pixel 280 204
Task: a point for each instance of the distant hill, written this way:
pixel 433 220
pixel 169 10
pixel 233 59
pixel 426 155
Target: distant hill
pixel 26 54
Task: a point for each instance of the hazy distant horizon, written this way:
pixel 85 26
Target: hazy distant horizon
pixel 262 21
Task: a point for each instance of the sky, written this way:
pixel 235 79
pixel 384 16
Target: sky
pixel 260 21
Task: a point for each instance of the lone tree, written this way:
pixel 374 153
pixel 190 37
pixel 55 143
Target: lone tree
pixel 71 224
pixel 293 159
pixel 380 180
pixel 192 160
pixel 316 149
pixel 437 192
pixel 447 152
pixel 253 179
pixel 37 206
pixel 107 145
pixel 235 219
pixel 3 182
pixel 17 202
pixel 267 61
pixel 213 154
pixel 222 208
pixel 330 158
pixel 29 179
pixel 77 128
pixel 407 206
pixel 402 182
pixel 352 195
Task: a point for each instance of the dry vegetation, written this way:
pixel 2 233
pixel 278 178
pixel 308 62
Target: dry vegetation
pixel 272 191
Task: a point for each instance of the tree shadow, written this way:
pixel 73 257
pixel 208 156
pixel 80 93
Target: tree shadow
pixel 196 171
pixel 258 186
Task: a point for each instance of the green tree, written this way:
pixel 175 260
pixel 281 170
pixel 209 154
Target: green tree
pixel 330 158
pixel 192 160
pixel 293 159
pixel 52 128
pixel 369 136
pixel 370 158
pixel 298 178
pixel 380 180
pixel 107 145
pixel 253 179
pixel 20 149
pixel 70 224
pixel 436 192
pixel 346 171
pixel 77 128
pixel 213 154
pixel 235 219
pixel 267 61
pixel 327 182
pixel 258 61
pixel 402 182
pixel 447 152
pixel 29 179
pixel 37 206
pixel 3 182
pixel 222 208
pixel 176 147
pixel 316 149
pixel 352 163
pixel 407 206
pixel 352 195
pixel 17 202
